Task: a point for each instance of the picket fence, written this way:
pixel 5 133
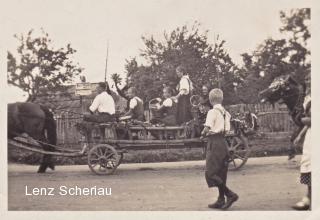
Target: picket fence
pixel 271 119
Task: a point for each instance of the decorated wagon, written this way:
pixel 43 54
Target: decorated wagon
pixel 105 143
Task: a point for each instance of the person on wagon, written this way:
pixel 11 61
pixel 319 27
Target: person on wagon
pixel 205 96
pixel 136 109
pixel 184 87
pixel 103 104
pixel 205 104
pixel 168 108
pixel 217 123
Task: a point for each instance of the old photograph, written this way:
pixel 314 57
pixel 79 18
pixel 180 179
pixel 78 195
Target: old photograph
pixel 156 105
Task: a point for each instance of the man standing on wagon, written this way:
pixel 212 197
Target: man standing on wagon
pixel 217 123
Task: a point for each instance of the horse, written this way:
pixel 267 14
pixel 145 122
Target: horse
pixel 292 93
pixel 37 122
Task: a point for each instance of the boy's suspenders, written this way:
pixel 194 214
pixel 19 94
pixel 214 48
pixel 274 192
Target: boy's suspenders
pixel 224 120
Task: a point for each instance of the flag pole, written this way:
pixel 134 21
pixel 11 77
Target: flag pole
pixel 106 68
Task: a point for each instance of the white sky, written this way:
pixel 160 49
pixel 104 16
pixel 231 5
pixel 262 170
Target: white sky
pixel 88 25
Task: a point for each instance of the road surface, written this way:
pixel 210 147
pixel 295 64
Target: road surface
pixel 269 183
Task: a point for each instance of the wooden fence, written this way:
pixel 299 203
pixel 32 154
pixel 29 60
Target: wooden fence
pixel 271 119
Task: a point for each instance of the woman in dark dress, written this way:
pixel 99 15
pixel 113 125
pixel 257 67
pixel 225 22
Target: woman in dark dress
pixel 184 88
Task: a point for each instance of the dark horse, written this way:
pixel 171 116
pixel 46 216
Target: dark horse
pixel 292 94
pixel 37 122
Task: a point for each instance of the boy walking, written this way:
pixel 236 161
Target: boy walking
pixel 217 123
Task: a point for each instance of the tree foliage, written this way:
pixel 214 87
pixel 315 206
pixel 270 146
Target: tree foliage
pixel 38 67
pixel 275 57
pixel 205 63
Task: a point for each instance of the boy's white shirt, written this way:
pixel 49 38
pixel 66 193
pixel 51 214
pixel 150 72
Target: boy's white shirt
pixel 215 120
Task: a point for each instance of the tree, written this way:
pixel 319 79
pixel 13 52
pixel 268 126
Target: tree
pixel 272 58
pixel 38 68
pixel 205 63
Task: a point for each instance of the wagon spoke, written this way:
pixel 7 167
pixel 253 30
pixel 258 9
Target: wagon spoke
pixel 109 155
pixel 96 154
pixel 100 151
pixel 235 146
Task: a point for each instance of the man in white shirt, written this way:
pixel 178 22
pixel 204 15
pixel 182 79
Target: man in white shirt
pixel 217 123
pixel 103 104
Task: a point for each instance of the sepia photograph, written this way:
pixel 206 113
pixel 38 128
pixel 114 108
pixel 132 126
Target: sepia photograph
pixel 161 105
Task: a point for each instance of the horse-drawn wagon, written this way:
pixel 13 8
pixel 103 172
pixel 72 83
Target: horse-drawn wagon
pixel 107 142
pixel 104 144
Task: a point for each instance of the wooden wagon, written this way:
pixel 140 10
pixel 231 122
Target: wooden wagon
pixel 107 142
pixel 104 144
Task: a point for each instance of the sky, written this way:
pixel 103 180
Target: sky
pixel 90 25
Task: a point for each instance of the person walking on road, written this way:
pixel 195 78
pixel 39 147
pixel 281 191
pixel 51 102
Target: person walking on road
pixel 305 167
pixel 216 125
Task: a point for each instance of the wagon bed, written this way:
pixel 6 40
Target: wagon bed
pixel 105 148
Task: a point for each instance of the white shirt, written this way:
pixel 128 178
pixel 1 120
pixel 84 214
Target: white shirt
pixel 104 103
pixel 167 102
pixel 215 120
pixel 184 85
pixel 133 102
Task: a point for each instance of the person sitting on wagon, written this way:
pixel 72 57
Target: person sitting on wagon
pixel 168 109
pixel 136 109
pixel 103 104
pixel 217 123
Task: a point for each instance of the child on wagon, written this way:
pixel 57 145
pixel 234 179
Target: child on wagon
pixel 217 123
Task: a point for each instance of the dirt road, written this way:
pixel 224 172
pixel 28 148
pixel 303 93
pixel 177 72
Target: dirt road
pixel 262 184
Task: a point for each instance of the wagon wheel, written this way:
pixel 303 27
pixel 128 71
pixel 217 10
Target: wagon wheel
pixel 103 159
pixel 239 151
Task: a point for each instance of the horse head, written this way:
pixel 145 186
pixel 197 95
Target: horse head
pixel 280 88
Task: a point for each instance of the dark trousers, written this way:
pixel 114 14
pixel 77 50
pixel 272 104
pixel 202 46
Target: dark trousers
pixel 216 161
pixel 100 118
